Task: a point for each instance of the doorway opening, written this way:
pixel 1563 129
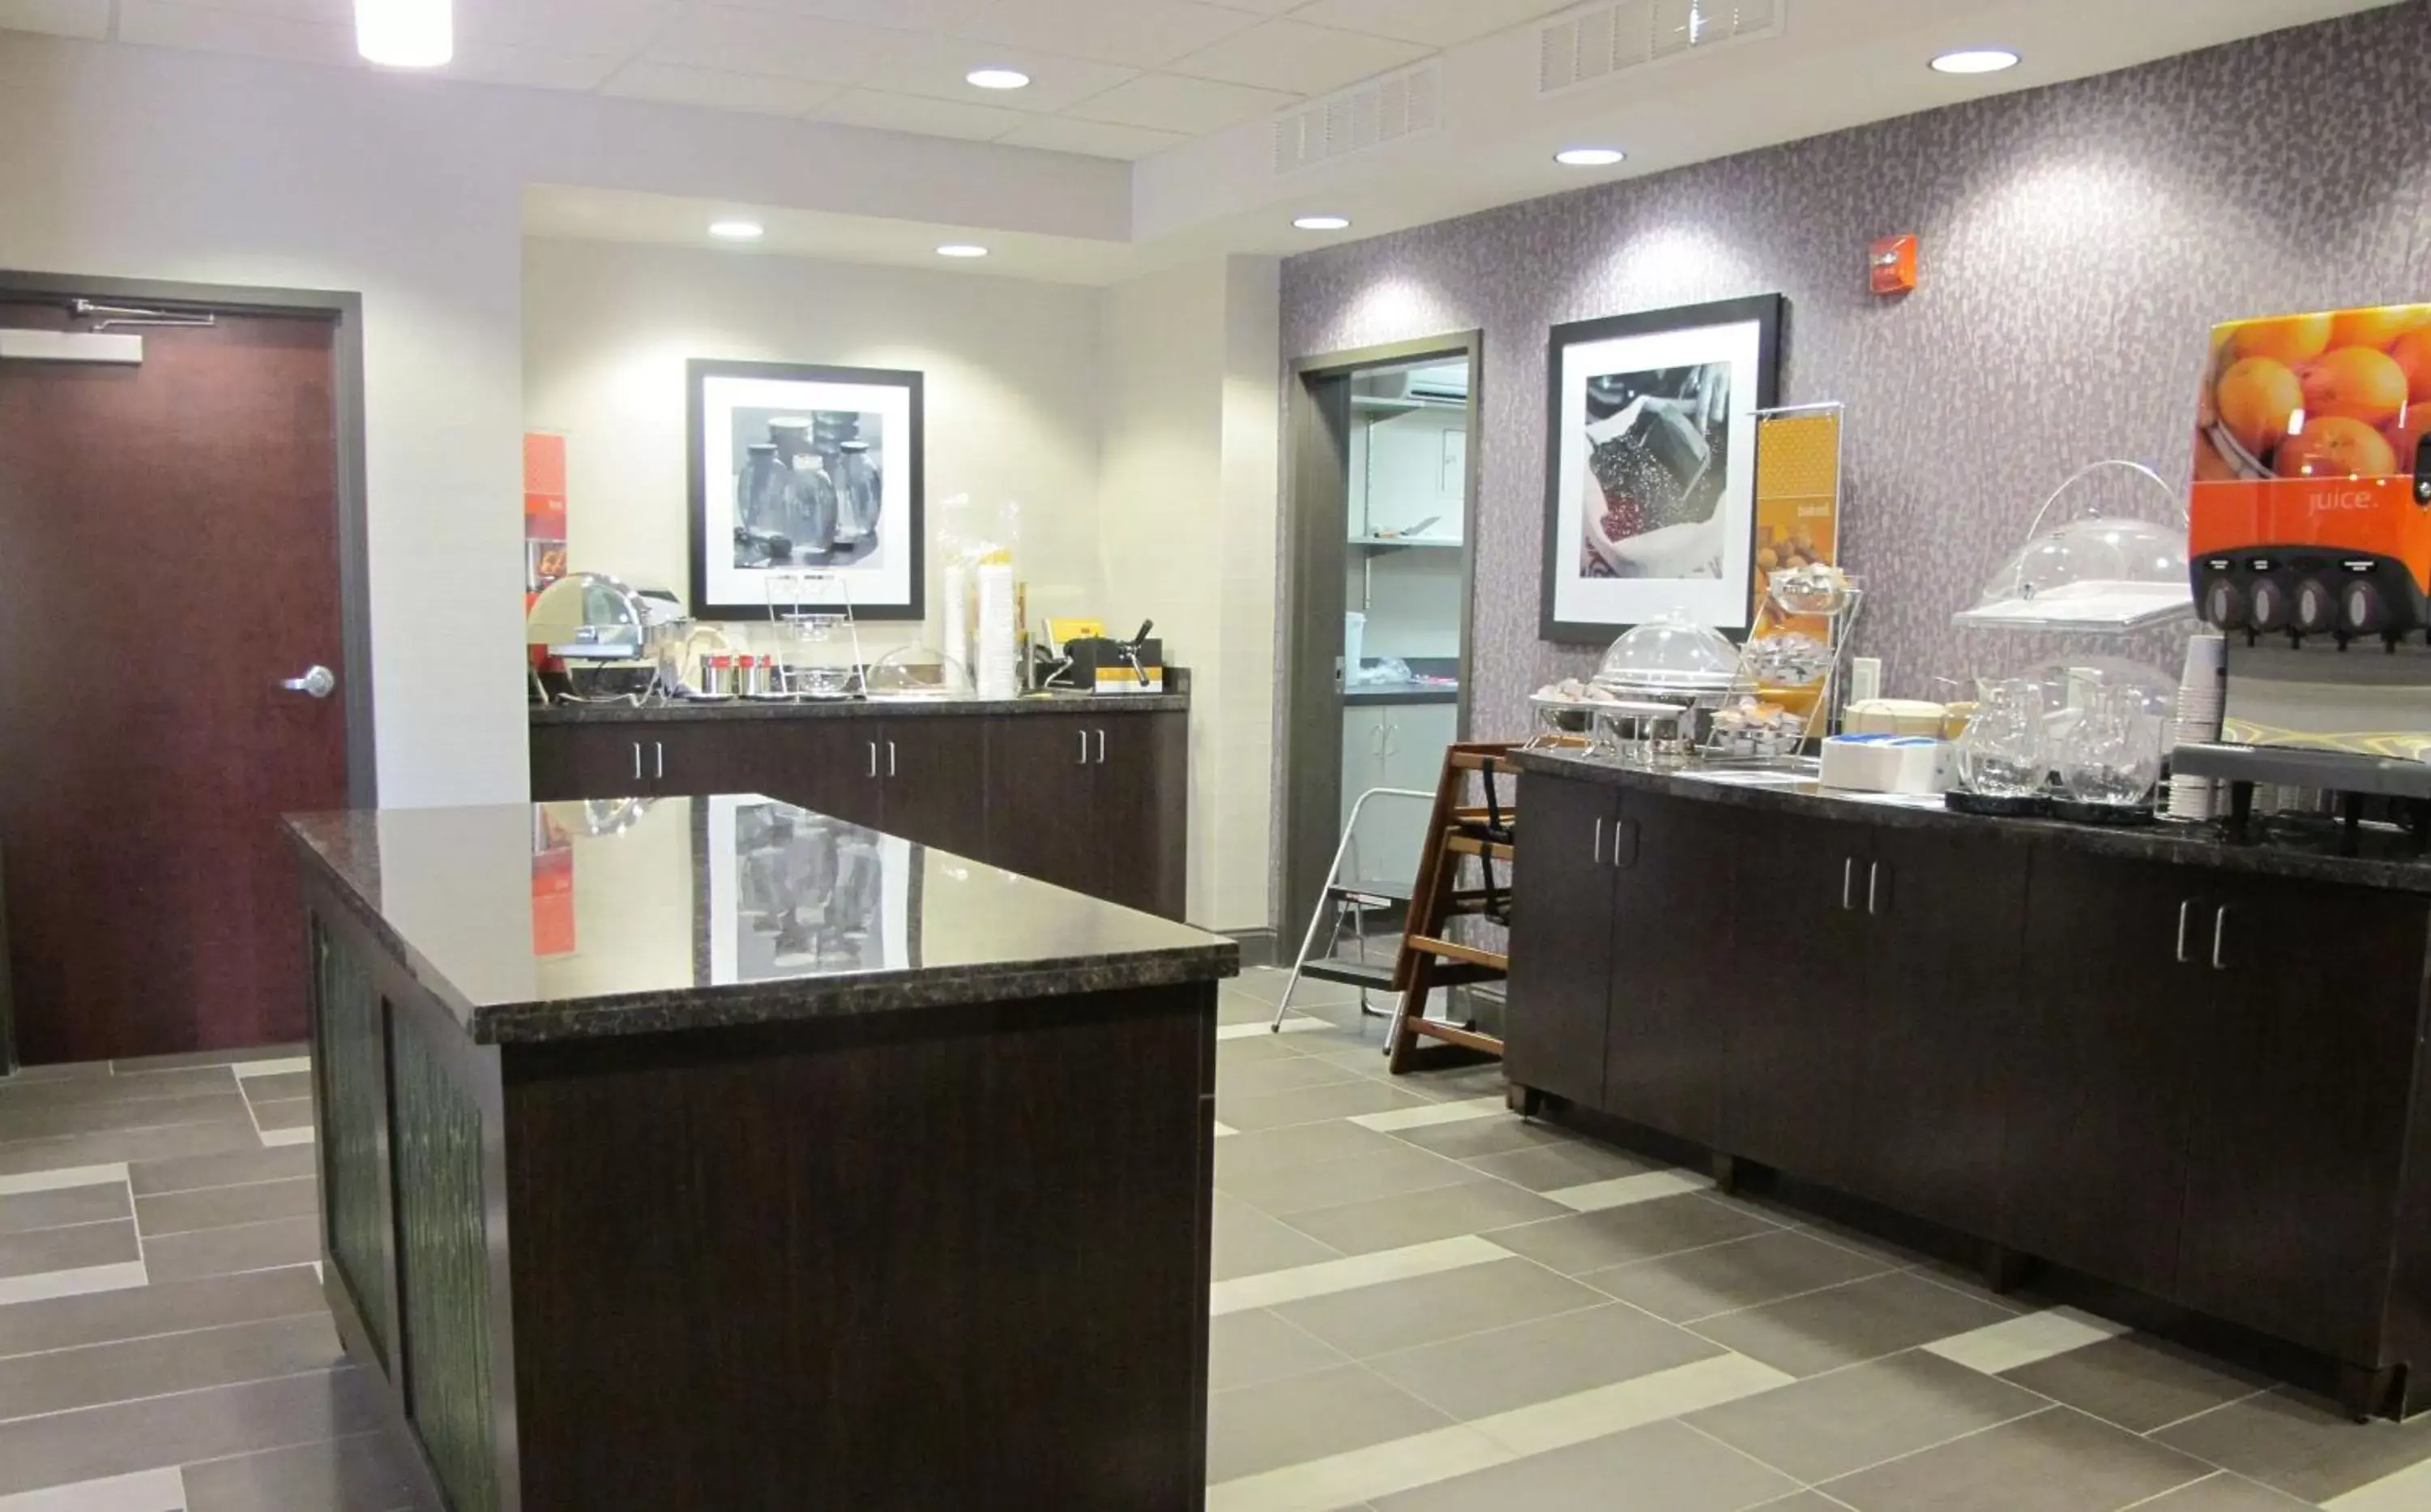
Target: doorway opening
pixel 1380 512
pixel 185 654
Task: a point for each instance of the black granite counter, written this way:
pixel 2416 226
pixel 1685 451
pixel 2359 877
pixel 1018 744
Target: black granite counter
pixel 686 710
pixel 2186 845
pixel 575 920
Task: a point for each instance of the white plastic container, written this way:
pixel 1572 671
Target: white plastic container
pixel 1354 640
pixel 1886 763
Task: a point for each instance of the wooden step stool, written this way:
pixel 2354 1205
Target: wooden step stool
pixel 1430 958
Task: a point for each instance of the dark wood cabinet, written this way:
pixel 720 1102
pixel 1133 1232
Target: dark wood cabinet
pixel 571 761
pixel 1678 999
pixel 933 778
pixel 1043 769
pixel 1562 885
pixel 1147 842
pixel 1084 801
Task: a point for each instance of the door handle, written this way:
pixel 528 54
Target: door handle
pixel 637 761
pixel 1392 740
pixel 1084 748
pixel 1598 840
pixel 1376 741
pixel 1873 887
pixel 2220 940
pixel 2185 908
pixel 1621 827
pixel 873 759
pixel 890 758
pixel 660 746
pixel 1847 885
pixel 316 682
pixel 1101 748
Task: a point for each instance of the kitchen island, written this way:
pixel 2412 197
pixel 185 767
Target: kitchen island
pixel 2188 1071
pixel 711 1153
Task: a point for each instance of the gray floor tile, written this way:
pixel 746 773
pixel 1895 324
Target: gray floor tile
pixel 1310 1104
pixel 1829 1426
pixel 1399 1315
pixel 2301 1445
pixel 86 1244
pixel 22 1212
pixel 1458 1086
pixel 129 1145
pixel 236 1168
pixel 1233 1052
pixel 145 1064
pixel 1306 1144
pixel 1801 1502
pixel 56 1071
pixel 1287 1189
pixel 1251 1348
pixel 1579 1242
pixel 225 1252
pixel 2057 1461
pixel 1249 1243
pixel 1419 1218
pixel 1308 1416
pixel 1572 1163
pixel 1266 986
pixel 2224 1492
pixel 1239 1008
pixel 288 1113
pixel 1863 1320
pixel 105 1088
pixel 119 1439
pixel 277 1086
pixel 100 1373
pixel 219 1207
pixel 365 1472
pixel 1527 1362
pixel 1724 1278
pixel 163 1307
pixel 1661 1468
pixel 105 1117
pixel 1259 1078
pixel 2137 1382
pixel 1498 1134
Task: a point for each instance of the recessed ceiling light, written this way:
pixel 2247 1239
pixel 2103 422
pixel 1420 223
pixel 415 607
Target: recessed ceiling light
pixel 997 78
pixel 1323 222
pixel 1975 61
pixel 405 33
pixel 962 249
pixel 737 230
pixel 1590 157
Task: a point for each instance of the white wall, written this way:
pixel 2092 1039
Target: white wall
pixel 1011 390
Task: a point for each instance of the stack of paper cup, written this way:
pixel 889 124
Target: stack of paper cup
pixel 993 669
pixel 2202 702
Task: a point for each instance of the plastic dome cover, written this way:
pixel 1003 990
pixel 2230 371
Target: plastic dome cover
pixel 2091 572
pixel 1674 651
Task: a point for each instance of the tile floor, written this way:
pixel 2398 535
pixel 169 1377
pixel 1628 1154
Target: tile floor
pixel 1422 1305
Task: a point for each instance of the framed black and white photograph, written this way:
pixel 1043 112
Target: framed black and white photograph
pixel 796 894
pixel 1650 465
pixel 806 486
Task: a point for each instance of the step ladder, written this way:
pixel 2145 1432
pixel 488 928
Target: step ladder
pixel 1459 832
pixel 1352 899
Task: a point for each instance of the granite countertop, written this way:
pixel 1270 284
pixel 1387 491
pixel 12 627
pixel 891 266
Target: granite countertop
pixel 1402 692
pixel 575 921
pixel 2185 845
pixel 1065 703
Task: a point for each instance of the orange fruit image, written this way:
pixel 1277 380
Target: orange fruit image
pixel 2355 383
pixel 2406 436
pixel 2291 339
pixel 2211 467
pixel 2413 353
pixel 2376 327
pixel 2257 397
pixel 2337 447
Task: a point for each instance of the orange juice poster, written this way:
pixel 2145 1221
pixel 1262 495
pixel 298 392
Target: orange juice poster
pixel 544 510
pixel 1797 495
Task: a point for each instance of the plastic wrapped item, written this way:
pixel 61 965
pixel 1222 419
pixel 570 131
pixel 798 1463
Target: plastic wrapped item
pixel 1674 654
pixel 2092 572
pixel 915 673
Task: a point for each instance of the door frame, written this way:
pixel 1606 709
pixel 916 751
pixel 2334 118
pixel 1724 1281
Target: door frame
pixel 344 311
pixel 1315 517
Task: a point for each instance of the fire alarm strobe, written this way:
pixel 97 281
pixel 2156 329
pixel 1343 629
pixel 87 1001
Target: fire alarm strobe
pixel 1893 261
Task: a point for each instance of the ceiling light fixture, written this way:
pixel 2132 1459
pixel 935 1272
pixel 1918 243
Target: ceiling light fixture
pixel 962 249
pixel 997 78
pixel 1590 157
pixel 405 33
pixel 1323 222
pixel 1975 61
pixel 737 230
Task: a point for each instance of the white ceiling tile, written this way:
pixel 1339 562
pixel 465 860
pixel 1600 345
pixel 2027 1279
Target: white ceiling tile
pixel 89 19
pixel 1436 23
pixel 234 31
pixel 1093 139
pixel 915 112
pixel 1168 102
pixel 937 67
pixel 610 29
pixel 715 89
pixel 902 15
pixel 1263 8
pixel 328 12
pixel 759 42
pixel 1286 54
pixel 538 68
pixel 1140 33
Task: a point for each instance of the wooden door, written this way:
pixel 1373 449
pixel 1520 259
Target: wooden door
pixel 1041 772
pixel 1790 1088
pixel 1677 995
pixel 935 782
pixel 604 761
pixel 1561 937
pixel 1140 809
pixel 171 554
pixel 1946 916
pixel 2106 1015
pixel 2297 1109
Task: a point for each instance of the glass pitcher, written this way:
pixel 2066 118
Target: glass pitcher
pixel 2113 755
pixel 2005 751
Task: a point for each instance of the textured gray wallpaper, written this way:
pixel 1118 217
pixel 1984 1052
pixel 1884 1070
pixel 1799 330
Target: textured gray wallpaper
pixel 2079 241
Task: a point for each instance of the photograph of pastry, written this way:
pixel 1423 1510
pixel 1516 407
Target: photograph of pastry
pixel 1659 460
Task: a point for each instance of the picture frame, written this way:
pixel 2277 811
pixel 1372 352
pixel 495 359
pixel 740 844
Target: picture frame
pixel 1650 465
pixel 808 486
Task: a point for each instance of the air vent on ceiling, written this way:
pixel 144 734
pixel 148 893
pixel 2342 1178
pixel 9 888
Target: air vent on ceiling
pixel 1366 115
pixel 1591 46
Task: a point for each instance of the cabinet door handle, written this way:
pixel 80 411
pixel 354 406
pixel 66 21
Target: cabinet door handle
pixel 1375 741
pixel 637 761
pixel 1101 748
pixel 890 758
pixel 2220 940
pixel 1873 887
pixel 1624 826
pixel 660 748
pixel 873 758
pixel 1084 748
pixel 1598 840
pixel 1847 885
pixel 2185 909
pixel 1392 740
